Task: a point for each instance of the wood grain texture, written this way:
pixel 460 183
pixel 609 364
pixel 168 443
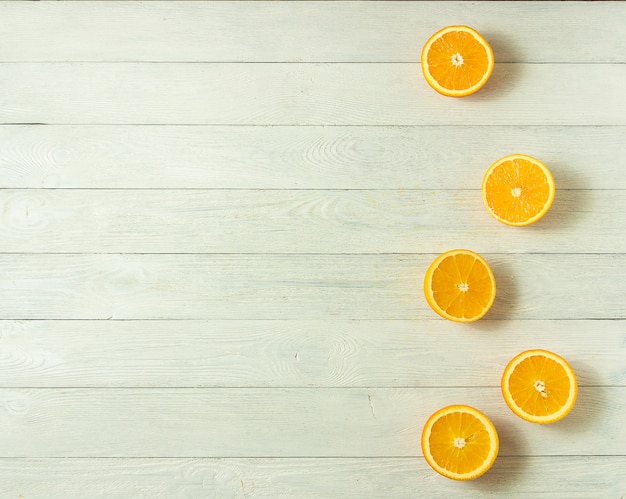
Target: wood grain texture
pixel 525 477
pixel 305 94
pixel 298 221
pixel 302 31
pixel 236 353
pixel 283 422
pixel 269 157
pixel 215 218
pixel 192 286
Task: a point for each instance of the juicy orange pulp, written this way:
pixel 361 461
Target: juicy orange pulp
pixel 459 442
pixel 460 286
pixel 539 386
pixel 457 61
pixel 518 190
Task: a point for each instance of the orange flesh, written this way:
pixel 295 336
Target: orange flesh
pixel 459 270
pixel 446 430
pixel 522 177
pixel 522 386
pixel 469 73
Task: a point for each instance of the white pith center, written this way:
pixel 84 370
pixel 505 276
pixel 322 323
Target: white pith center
pixel 457 59
pixel 459 442
pixel 540 386
pixel 516 192
pixel 463 287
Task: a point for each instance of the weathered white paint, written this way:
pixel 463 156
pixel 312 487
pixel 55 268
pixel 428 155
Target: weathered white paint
pixel 284 422
pixel 269 157
pixel 303 31
pixel 299 221
pixel 526 477
pixel 288 286
pixel 297 353
pixel 283 347
pixel 305 94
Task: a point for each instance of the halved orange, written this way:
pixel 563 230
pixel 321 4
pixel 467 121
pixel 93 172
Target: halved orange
pixel 539 386
pixel 459 286
pixel 457 61
pixel 460 442
pixel 518 190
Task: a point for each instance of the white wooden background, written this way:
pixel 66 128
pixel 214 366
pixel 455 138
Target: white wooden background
pixel 215 220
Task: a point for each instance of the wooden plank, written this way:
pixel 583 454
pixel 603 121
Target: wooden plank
pixel 240 405
pixel 194 286
pixel 428 353
pixel 305 94
pixel 303 31
pixel 253 157
pixel 283 422
pixel 524 477
pixel 297 221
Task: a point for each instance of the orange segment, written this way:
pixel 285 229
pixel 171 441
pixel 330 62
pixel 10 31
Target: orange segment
pixel 539 386
pixel 518 190
pixel 457 61
pixel 460 442
pixel 460 286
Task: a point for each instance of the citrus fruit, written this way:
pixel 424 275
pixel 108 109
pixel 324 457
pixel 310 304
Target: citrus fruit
pixel 460 286
pixel 539 386
pixel 457 61
pixel 518 190
pixel 459 442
